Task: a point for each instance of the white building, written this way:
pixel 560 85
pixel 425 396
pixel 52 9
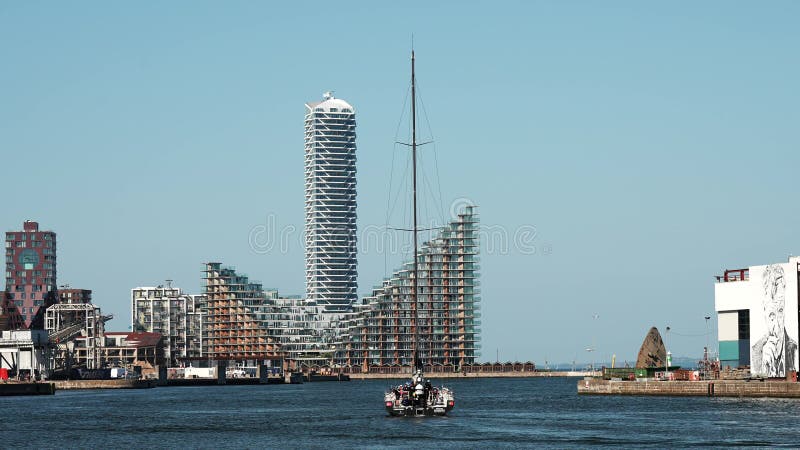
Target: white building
pixel 757 314
pixel 24 352
pixel 177 316
pixel 330 204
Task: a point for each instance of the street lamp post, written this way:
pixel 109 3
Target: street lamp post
pixel 666 355
pixel 595 316
pixel 705 356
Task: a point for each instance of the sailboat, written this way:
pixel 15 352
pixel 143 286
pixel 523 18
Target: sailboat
pixel 417 397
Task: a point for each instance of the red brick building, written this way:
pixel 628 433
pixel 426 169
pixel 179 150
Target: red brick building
pixel 31 272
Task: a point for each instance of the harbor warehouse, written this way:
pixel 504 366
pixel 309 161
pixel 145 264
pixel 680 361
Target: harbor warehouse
pixel 757 313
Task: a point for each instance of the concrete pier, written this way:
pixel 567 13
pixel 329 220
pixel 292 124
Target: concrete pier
pixel 104 384
pixel 395 376
pixel 27 389
pixel 715 388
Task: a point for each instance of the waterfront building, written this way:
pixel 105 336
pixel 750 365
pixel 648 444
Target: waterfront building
pixel 307 335
pixel 330 204
pixel 140 351
pixel 24 351
pixel 757 318
pixel 73 296
pixel 31 272
pixel 173 314
pixel 76 333
pixel 382 328
pixel 10 318
pixel 232 329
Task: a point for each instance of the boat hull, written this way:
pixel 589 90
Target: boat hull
pixel 411 411
pixel 402 404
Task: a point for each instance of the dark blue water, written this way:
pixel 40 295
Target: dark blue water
pixel 490 413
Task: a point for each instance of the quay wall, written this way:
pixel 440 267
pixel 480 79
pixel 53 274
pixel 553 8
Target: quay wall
pixel 27 389
pixel 394 376
pixel 104 384
pixel 713 388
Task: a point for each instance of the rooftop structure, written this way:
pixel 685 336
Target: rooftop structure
pixel 330 204
pixel 70 295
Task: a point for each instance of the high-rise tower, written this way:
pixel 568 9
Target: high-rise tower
pixel 31 271
pixel 330 203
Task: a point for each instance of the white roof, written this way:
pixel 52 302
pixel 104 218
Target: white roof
pixel 329 103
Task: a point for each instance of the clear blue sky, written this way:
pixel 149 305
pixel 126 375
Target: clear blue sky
pixel 651 146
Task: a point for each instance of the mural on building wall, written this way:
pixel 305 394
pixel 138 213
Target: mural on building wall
pixel 775 352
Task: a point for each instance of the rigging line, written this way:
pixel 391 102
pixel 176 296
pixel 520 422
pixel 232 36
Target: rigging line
pixel 403 183
pixel 391 181
pixel 690 334
pixel 435 156
pixel 427 182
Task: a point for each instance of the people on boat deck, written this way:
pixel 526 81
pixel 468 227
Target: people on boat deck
pixel 417 392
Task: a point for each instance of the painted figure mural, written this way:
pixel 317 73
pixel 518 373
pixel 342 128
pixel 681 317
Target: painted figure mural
pixel 775 351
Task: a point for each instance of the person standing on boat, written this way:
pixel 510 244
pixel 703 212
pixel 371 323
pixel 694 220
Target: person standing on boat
pixel 419 393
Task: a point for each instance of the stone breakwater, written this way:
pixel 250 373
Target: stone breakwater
pixel 711 388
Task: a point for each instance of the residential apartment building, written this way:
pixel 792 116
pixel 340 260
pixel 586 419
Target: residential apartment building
pixel 330 204
pixel 31 272
pixel 178 317
pixel 231 328
pixel 444 322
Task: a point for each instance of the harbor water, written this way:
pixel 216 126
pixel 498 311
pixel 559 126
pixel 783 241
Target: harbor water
pixel 489 413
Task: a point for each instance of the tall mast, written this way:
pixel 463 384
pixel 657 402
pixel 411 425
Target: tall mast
pixel 414 285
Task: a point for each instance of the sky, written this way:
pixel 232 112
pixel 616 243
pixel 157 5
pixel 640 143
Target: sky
pixel 625 152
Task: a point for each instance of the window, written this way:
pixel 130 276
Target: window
pixel 744 324
pixel 10 236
